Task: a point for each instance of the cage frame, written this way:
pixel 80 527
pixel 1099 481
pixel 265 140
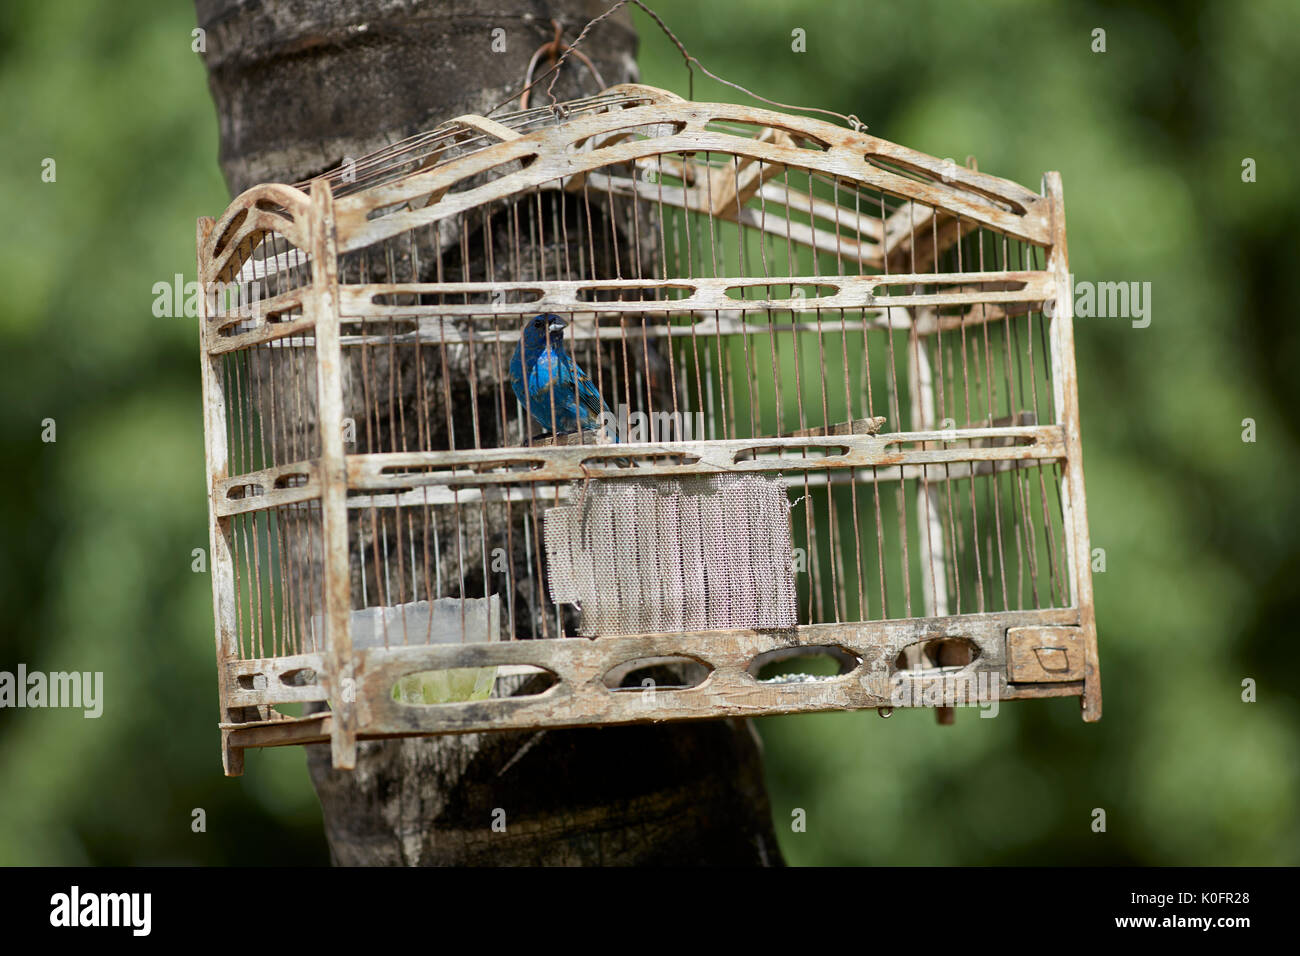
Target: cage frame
pixel 326 226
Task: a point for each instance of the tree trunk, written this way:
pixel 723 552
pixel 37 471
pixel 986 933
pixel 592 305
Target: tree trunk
pixel 301 85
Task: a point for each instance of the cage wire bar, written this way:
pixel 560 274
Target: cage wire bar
pixel 883 337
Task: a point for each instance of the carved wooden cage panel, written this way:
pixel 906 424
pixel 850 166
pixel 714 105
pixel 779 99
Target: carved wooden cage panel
pixel 842 420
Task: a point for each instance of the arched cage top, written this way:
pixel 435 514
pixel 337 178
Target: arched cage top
pixel 660 139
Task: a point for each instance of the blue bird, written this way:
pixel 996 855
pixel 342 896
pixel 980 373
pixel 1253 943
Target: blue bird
pixel 551 385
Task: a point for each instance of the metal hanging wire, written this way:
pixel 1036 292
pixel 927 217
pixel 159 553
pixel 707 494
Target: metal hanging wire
pixel 558 45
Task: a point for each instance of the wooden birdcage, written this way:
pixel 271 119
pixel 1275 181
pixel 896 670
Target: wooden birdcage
pixel 844 382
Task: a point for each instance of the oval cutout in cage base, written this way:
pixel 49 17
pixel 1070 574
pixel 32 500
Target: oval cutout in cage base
pixel 664 673
pixel 458 685
pixel 939 654
pixel 803 664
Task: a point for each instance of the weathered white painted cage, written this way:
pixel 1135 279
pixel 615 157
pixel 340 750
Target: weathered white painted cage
pixel 768 302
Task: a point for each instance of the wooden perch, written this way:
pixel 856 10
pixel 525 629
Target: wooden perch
pixel 588 436
pixel 859 426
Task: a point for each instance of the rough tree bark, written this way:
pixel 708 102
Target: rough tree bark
pixel 299 85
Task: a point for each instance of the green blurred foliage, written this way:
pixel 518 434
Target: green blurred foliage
pixel 1198 526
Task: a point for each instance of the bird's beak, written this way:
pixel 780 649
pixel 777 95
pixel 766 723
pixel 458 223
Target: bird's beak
pixel 557 324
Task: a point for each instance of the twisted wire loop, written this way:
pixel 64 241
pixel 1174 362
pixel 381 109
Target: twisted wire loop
pixel 553 47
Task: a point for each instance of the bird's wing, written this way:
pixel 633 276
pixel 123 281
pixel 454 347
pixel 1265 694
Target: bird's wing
pixel 570 378
pixel 589 397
